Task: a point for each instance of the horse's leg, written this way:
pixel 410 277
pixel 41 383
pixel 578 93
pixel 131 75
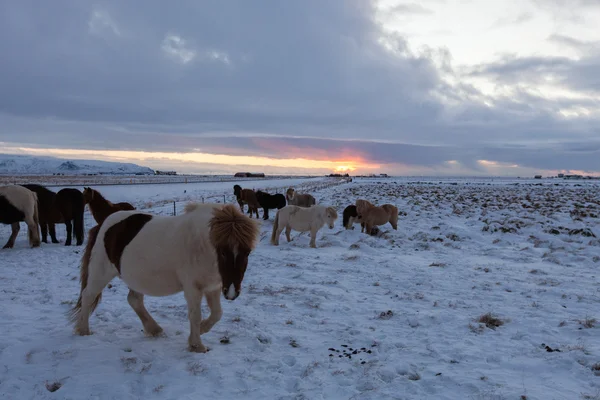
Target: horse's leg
pixel 288 231
pixel 213 299
pixel 78 229
pixel 313 238
pixel 241 203
pixel 69 226
pixel 52 230
pixel 44 229
pixel 265 213
pixel 256 211
pixel 136 301
pixel 193 297
pixel 100 274
pixel 15 228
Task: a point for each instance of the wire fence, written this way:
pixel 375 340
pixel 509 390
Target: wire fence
pixel 176 206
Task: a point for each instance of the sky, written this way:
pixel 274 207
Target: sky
pixel 434 87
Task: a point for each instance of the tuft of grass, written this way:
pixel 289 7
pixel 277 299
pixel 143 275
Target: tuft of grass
pixel 53 387
pixel 414 376
pixel 490 321
pixel 596 369
pixel 195 368
pixel 588 322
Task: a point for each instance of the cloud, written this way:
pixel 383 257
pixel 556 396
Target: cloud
pixel 275 79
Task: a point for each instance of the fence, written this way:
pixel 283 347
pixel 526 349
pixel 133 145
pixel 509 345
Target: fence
pixel 100 180
pixel 176 206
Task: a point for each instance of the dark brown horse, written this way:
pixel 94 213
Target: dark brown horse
pixel 66 207
pixel 246 196
pixel 101 207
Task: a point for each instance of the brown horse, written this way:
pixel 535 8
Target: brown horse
pixel 66 206
pixel 246 196
pixel 361 207
pixel 299 199
pixel 377 216
pixel 101 207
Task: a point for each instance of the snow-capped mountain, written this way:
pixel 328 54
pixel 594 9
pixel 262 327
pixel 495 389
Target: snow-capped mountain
pixel 13 164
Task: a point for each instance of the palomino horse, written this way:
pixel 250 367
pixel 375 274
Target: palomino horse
pixel 67 206
pixel 269 201
pixel 296 199
pixel 361 207
pixel 19 204
pixel 377 216
pixel 202 252
pixel 302 219
pixel 100 207
pixel 246 196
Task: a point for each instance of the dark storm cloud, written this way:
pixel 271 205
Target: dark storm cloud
pixel 220 77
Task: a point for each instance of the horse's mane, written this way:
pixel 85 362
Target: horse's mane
pixel 229 227
pixel 332 210
pixel 96 194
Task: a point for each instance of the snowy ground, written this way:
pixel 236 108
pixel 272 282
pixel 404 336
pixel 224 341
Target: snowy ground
pixel 405 305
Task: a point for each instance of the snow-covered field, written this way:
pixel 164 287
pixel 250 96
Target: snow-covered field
pixel 404 306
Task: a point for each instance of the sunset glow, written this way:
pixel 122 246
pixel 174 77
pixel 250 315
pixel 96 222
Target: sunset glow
pixel 150 159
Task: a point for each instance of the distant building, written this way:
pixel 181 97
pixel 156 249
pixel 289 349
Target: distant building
pixel 157 172
pixel 538 177
pixel 561 175
pixel 249 175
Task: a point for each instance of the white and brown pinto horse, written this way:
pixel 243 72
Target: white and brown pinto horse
pixel 202 252
pixel 302 219
pixel 297 199
pixel 17 204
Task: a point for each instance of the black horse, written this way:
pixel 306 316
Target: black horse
pixel 66 207
pixel 269 201
pixel 350 215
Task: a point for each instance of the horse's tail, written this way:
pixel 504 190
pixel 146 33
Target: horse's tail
pixel 275 227
pixel 73 314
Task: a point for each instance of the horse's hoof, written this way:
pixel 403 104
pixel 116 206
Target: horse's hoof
pixel 82 332
pixel 197 348
pixel 154 332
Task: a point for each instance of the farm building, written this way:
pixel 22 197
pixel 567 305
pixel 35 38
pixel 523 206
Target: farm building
pixel 249 175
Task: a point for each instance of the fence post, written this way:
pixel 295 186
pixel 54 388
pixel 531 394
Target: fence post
pixel 223 199
pixel 174 209
pixel 202 199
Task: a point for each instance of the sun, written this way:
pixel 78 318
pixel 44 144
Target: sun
pixel 344 168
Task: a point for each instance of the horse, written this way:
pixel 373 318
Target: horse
pixel 67 206
pixel 100 207
pixel 246 196
pixel 19 204
pixel 361 207
pixel 302 219
pixel 202 252
pixel 377 216
pixel 269 201
pixel 349 216
pixel 302 200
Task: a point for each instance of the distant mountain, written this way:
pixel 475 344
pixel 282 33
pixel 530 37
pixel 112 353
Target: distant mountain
pixel 14 164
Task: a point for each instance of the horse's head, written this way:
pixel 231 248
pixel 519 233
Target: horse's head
pixel 330 216
pixel 233 235
pixel 232 267
pixel 237 190
pixel 88 194
pixel 289 194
